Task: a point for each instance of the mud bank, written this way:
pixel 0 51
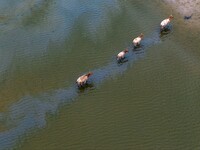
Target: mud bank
pixel 188 9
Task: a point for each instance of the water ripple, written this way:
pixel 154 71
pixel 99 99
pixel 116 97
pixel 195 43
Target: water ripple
pixel 30 112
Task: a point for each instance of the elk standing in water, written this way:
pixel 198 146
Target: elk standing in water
pixel 82 80
pixel 136 41
pixel 165 22
pixel 122 54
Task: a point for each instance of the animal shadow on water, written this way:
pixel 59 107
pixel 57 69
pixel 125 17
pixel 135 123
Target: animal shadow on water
pixel 122 60
pixel 138 49
pixel 86 87
pixel 165 31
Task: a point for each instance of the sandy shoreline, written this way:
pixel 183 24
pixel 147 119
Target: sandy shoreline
pixel 187 8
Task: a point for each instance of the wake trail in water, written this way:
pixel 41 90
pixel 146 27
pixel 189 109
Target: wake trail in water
pixel 30 112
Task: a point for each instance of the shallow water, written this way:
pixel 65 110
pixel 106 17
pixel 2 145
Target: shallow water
pixel 149 102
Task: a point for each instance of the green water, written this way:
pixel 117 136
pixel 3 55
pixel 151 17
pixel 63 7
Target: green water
pixel 151 104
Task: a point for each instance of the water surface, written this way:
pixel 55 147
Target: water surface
pixel 149 102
